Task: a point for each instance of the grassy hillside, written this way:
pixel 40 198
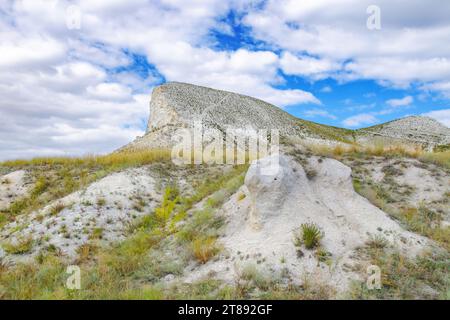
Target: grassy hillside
pixel 328 132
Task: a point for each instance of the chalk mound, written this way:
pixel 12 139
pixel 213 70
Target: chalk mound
pixel 263 224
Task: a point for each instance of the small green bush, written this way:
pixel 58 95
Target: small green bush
pixel 309 236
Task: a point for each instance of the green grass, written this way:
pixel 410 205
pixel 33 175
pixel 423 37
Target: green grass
pixel 309 236
pixel 328 132
pixel 241 196
pixel 96 234
pixel 22 246
pixel 442 148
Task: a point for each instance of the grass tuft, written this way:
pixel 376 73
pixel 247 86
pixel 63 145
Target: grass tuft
pixel 57 208
pixel 309 236
pixel 22 246
pixel 204 249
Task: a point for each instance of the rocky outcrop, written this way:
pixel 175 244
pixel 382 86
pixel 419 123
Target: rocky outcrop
pixel 180 105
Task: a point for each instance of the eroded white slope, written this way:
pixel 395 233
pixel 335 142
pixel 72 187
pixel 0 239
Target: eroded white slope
pixel 103 210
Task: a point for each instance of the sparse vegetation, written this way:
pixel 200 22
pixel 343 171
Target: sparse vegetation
pixel 117 272
pixel 57 177
pixel 381 150
pixel 422 219
pixel 377 242
pixel 425 277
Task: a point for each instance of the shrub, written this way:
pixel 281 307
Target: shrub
pixel 22 246
pixel 204 248
pixel 310 236
pixel 85 251
pixel 101 202
pixel 338 150
pixel 310 173
pixel 377 242
pixel 57 209
pixel 97 233
pixel 139 205
pixel 165 211
pixel 241 196
pixel 323 256
pixel 258 278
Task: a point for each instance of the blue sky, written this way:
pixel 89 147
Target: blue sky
pixel 79 81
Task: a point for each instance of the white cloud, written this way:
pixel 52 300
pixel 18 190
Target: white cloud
pixel 406 101
pixel 442 116
pixel 410 47
pixel 443 87
pixel 307 66
pixel 29 52
pixel 110 91
pixel 319 113
pixel 400 72
pixel 105 56
pixel 359 120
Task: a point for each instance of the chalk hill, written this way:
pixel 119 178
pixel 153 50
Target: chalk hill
pixel 177 105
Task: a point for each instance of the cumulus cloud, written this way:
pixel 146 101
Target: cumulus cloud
pixel 360 120
pixel 443 87
pixel 406 101
pixel 410 47
pixel 319 113
pixel 442 116
pixel 307 66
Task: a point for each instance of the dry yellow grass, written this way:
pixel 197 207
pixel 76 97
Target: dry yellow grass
pixel 125 159
pixel 204 249
pixel 379 149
